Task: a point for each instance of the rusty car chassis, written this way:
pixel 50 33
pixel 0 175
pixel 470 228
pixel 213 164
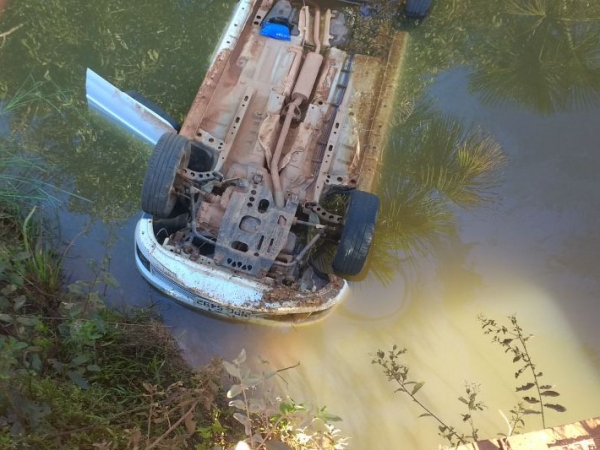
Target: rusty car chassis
pixel 271 169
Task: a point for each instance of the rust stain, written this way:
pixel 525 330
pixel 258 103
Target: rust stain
pixel 204 96
pixel 377 134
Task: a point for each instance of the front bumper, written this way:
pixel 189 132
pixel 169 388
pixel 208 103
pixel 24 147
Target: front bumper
pixel 218 290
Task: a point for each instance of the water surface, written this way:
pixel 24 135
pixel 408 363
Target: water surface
pixel 526 76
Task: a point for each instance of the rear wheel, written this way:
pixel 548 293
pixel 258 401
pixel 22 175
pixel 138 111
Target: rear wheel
pixel 417 9
pixel 171 153
pixel 357 234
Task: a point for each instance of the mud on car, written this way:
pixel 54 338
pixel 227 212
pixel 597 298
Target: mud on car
pixel 258 207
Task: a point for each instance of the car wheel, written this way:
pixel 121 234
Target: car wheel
pixel 171 153
pixel 417 9
pixel 357 233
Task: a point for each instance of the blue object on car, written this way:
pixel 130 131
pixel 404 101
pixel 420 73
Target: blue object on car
pixel 276 31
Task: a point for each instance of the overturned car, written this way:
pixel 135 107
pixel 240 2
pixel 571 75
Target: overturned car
pixel 258 208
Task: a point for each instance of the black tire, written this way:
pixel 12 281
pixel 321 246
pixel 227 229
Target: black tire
pixel 357 234
pixel 417 9
pixel 171 153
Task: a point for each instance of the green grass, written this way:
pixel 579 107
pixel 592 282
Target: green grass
pixel 74 373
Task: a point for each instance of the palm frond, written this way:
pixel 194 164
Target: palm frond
pixel 458 162
pixel 530 8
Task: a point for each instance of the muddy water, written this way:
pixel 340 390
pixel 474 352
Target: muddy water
pixel 530 81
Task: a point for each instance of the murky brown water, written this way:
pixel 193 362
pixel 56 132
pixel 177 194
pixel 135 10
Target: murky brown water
pixel 531 81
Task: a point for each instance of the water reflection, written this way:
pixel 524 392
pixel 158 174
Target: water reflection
pixel 548 58
pixel 437 162
pixel 541 55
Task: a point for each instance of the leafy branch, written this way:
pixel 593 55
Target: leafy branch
pixel 472 390
pixel 268 418
pixel 398 372
pixel 514 341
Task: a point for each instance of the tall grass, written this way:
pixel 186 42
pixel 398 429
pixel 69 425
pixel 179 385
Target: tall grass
pixel 23 175
pixel 20 178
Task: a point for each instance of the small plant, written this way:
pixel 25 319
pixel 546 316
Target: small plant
pixel 268 417
pixel 473 405
pixel 399 373
pixel 42 265
pixel 514 341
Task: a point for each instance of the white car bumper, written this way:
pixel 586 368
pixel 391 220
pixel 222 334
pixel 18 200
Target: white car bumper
pixel 220 291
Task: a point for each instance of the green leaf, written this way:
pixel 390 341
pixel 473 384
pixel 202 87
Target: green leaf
pixel 28 321
pixel 556 407
pixel 111 281
pixel 464 400
pixel 19 302
pixel 36 362
pixel 286 407
pixel 79 380
pixel 58 366
pixel 76 289
pixel 267 375
pixel 6 318
pixel 253 380
pixel 426 415
pixel 76 310
pixel 21 345
pixel 517 358
pixel 79 360
pixel 328 418
pixel 520 371
pixel 525 387
pixel 234 391
pixel 231 369
pixel 417 386
pixel 93 368
pixel 239 404
pixel 531 411
pixel 241 358
pixel 531 400
pixel 546 386
pixel 550 394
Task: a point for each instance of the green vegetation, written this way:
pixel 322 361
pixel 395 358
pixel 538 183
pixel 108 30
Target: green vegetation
pixel 513 339
pixel 266 415
pixel 74 374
